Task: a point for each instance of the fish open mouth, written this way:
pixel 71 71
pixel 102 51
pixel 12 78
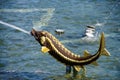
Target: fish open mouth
pixel 34 33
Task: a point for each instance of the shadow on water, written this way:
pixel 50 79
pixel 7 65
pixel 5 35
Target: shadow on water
pixel 64 77
pixel 49 76
pixel 21 76
pixel 37 76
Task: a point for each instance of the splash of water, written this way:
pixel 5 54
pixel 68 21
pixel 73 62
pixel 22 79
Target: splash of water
pixel 99 24
pixel 25 10
pixel 36 25
pixel 44 20
pixel 15 27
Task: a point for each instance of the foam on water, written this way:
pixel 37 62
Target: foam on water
pixel 44 20
pixel 26 10
pixel 36 25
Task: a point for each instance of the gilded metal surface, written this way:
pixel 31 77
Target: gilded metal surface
pixel 62 54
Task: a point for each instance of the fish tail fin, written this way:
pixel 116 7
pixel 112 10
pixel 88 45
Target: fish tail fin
pixel 102 49
pixel 105 52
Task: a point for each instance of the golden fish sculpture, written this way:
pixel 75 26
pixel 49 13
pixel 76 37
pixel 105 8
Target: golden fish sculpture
pixel 56 49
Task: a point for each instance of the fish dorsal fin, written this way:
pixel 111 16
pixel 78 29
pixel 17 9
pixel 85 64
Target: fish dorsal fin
pixel 94 63
pixel 86 53
pixel 44 49
pixel 77 68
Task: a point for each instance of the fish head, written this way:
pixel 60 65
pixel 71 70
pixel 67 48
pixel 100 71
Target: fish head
pixel 40 36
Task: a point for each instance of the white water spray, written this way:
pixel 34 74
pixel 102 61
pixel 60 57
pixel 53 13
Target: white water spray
pixel 44 19
pixel 36 24
pixel 15 27
pixel 26 10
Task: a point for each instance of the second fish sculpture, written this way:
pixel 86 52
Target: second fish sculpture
pixel 56 49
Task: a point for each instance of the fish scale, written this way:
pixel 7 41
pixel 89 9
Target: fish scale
pixel 61 46
pixel 55 48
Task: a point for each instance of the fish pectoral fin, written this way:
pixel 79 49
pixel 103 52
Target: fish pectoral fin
pixel 94 63
pixel 86 53
pixel 44 49
pixel 77 68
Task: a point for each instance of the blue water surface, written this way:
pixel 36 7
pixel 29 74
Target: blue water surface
pixel 20 55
